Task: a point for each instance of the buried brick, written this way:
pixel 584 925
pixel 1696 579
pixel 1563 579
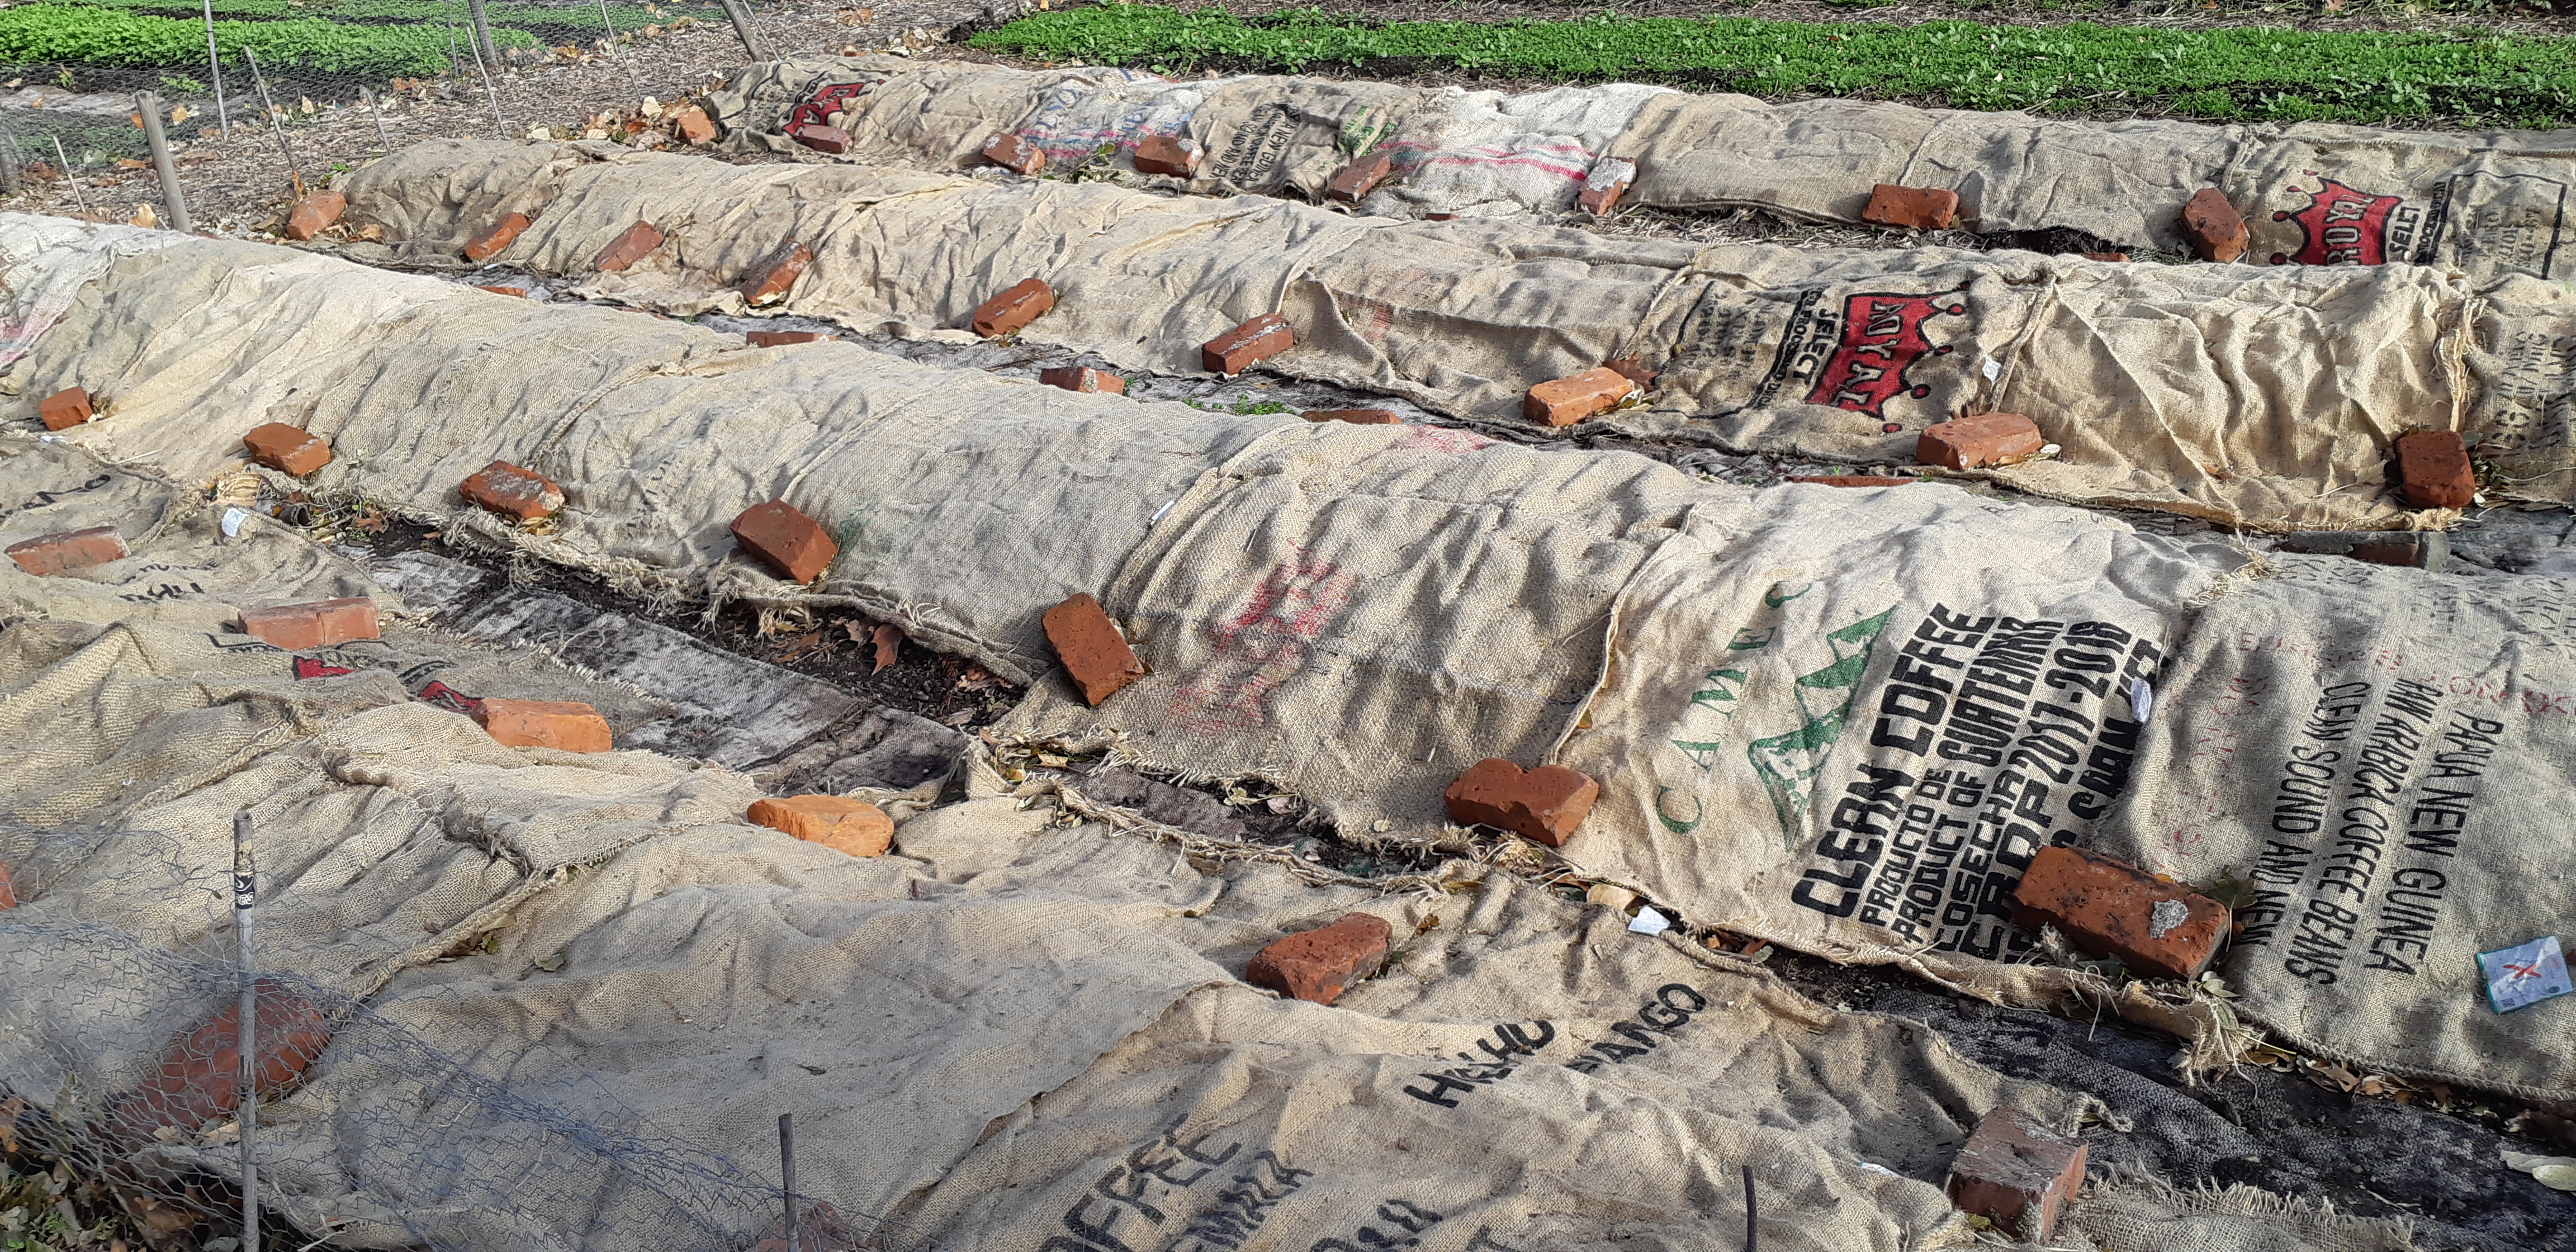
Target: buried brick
pixel 2433 466
pixel 1565 401
pixel 1978 441
pixel 199 1078
pixel 2120 258
pixel 631 245
pixel 505 289
pixel 290 450
pixel 489 244
pixel 821 138
pixel 1008 313
pixel 314 214
pixel 318 624
pixel 68 550
pixel 1083 378
pixel 1318 965
pixel 1359 178
pixel 781 338
pixel 1356 417
pixel 1911 208
pixel 562 724
pixel 1634 371
pixel 1850 480
pixel 837 822
pixel 1603 186
pixel 2155 928
pixel 1095 655
pixel 1545 804
pixel 2214 227
pixel 8 889
pixel 511 491
pixel 1254 341
pixel 1014 154
pixel 769 281
pixel 792 545
pixel 2016 1173
pixel 1176 155
pixel 65 409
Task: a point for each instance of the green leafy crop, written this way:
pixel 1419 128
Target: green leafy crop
pixel 582 16
pixel 49 34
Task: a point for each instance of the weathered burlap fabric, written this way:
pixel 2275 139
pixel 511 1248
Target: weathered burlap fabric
pixel 2265 398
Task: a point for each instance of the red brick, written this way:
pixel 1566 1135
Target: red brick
pixel 1439 217
pixel 2433 465
pixel 1014 153
pixel 630 246
pixel 504 289
pixel 1850 480
pixel 1095 655
pixel 319 624
pixel 1318 965
pixel 1979 440
pixel 487 245
pixel 1356 417
pixel 2016 1173
pixel 199 1079
pixel 1602 187
pixel 693 124
pixel 1176 155
pixel 66 408
pixel 1359 178
pixel 821 138
pixel 512 492
pixel 564 724
pixel 1911 208
pixel 8 894
pixel 769 281
pixel 2156 928
pixel 782 338
pixel 68 550
pixel 2114 257
pixel 1083 378
pixel 1545 804
pixel 1567 400
pixel 1257 340
pixel 1017 306
pixel 287 449
pixel 792 545
pixel 836 822
pixel 2214 227
pixel 314 214
pixel 1634 371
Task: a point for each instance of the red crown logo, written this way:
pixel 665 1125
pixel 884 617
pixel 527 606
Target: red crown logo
pixel 819 110
pixel 1882 338
pixel 2340 226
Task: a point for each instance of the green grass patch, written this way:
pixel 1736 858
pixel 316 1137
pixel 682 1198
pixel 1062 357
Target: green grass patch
pixel 48 34
pixel 2225 74
pixel 624 17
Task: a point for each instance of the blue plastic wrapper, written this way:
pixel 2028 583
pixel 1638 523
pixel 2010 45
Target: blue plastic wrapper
pixel 2524 975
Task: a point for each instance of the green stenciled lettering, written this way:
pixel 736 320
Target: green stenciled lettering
pixel 1703 755
pixel 1699 810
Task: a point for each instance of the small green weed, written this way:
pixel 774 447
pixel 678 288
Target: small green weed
pixel 1243 406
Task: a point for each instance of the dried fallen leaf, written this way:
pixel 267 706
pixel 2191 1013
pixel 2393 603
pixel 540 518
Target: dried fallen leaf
pixel 131 163
pixel 889 641
pixel 144 216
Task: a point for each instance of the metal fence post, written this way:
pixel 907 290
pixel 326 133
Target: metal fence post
pixel 368 94
pixel 9 179
pixel 246 894
pixel 77 198
pixel 741 15
pixel 787 1172
pixel 171 196
pixel 491 50
pixel 215 68
pixel 294 172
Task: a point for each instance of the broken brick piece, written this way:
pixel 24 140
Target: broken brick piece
pixel 1850 480
pixel 1634 371
pixel 821 138
pixel 693 124
pixel 8 900
pixel 1603 186
pixel 2016 1173
pixel 512 491
pixel 2433 466
pixel 567 725
pixel 489 244
pixel 314 214
pixel 65 409
pixel 287 449
pixel 2214 227
pixel 1095 655
pixel 2115 257
pixel 1911 208
pixel 1176 155
pixel 1017 306
pixel 2156 928
pixel 1565 401
pixel 1014 154
pixel 631 245
pixel 1360 177
pixel 318 624
pixel 1238 349
pixel 199 1079
pixel 503 289
pixel 1544 804
pixel 781 338
pixel 770 280
pixel 68 550
pixel 837 822
pixel 792 545
pixel 1318 965
pixel 1083 378
pixel 1979 440
pixel 1356 417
